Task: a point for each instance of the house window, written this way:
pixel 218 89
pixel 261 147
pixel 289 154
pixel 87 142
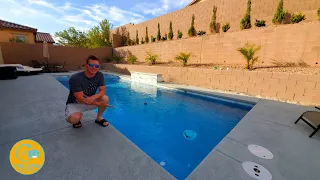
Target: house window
pixel 21 38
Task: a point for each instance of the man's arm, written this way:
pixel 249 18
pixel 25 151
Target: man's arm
pixel 101 93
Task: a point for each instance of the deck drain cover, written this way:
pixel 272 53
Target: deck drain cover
pixel 260 151
pixel 189 134
pixel 256 171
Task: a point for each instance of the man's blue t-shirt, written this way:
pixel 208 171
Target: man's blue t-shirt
pixel 80 82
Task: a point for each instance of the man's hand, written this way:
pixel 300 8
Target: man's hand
pixel 89 100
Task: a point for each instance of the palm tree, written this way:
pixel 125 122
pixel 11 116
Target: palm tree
pixel 248 52
pixel 184 57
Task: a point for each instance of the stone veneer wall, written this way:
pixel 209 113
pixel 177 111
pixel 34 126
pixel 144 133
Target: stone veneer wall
pixel 303 89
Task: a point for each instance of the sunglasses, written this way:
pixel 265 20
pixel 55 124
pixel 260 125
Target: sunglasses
pixel 94 65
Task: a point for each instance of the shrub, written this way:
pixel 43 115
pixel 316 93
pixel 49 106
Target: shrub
pixel 17 40
pixel 131 59
pixel 260 23
pixel 147 36
pixel 137 38
pixel 245 23
pixel 296 18
pixel 107 59
pixel 226 27
pixel 164 38
pixel 192 30
pixel 248 52
pixel 170 34
pixel 153 39
pixel 179 34
pixel 159 34
pixel 116 58
pixel 213 23
pixel 152 58
pixel 319 13
pixel 200 33
pixel 279 16
pixel 183 57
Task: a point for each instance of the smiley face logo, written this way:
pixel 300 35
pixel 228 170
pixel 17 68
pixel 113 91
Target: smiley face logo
pixel 27 157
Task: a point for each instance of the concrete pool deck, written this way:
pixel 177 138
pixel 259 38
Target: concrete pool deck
pixel 33 107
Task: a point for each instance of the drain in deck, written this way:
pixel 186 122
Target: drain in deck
pixel 260 151
pixel 256 171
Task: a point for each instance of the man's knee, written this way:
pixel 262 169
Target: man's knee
pixel 75 117
pixel 104 100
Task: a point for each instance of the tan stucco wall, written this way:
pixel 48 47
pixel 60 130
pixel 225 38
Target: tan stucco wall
pixel 227 10
pixel 5 34
pixel 1 58
pixel 299 88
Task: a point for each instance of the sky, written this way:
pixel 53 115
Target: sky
pixel 56 15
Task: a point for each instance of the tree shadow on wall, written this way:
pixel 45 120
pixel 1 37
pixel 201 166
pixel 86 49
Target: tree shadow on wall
pixel 287 18
pixel 121 55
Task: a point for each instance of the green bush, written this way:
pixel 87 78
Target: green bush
pixel 200 33
pixel 319 13
pixel 226 27
pixel 131 59
pixel 158 34
pixel 165 37
pixel 179 34
pixel 213 23
pixel 147 36
pixel 153 39
pixel 151 58
pixel 183 57
pixel 260 23
pixel 245 23
pixel 170 34
pixel 192 30
pixel 116 58
pixel 296 18
pixel 248 52
pixel 279 16
pixel 17 40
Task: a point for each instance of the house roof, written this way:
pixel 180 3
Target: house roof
pixel 6 24
pixel 41 37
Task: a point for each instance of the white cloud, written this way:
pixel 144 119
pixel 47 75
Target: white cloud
pixel 165 6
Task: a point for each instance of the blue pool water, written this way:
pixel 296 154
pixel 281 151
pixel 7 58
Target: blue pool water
pixel 176 129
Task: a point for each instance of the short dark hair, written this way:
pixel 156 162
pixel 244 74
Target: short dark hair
pixel 93 58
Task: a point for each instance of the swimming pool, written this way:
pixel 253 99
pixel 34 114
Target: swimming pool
pixel 176 129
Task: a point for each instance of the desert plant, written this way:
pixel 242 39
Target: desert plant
pixel 279 16
pixel 245 23
pixel 147 36
pixel 213 23
pixel 158 34
pixel 192 30
pixel 296 18
pixel 137 38
pixel 131 59
pixel 248 52
pixel 200 33
pixel 260 23
pixel 165 37
pixel 225 27
pixel 153 39
pixel 152 58
pixel 116 58
pixel 183 57
pixel 318 13
pixel 170 34
pixel 179 34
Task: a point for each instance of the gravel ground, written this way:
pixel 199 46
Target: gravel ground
pixel 289 69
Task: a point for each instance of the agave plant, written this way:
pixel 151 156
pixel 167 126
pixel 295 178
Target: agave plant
pixel 248 52
pixel 183 57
